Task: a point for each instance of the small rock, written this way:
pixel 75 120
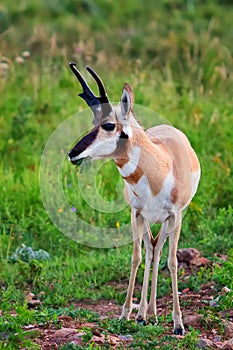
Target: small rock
pixel 186 255
pixel 223 257
pixel 64 318
pixel 79 335
pixel 98 340
pixel 228 345
pixel 113 340
pixel 214 303
pixel 127 337
pixel 185 291
pixel 96 332
pixel 103 317
pixel 227 313
pixel 191 256
pixel 64 332
pixel 217 339
pixel 192 320
pixel 200 261
pixel 29 327
pixel 205 344
pixel 41 255
pixel 228 328
pixel 225 290
pixel 27 254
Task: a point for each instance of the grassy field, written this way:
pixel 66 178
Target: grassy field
pixel 177 56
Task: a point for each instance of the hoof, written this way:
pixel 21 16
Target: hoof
pixel 179 331
pixel 123 318
pixel 141 321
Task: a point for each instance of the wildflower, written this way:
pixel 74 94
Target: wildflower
pixel 4 67
pixel 196 207
pixel 19 59
pixel 73 209
pixel 117 224
pixel 26 54
pixel 60 210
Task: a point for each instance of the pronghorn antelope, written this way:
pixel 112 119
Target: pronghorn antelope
pixel 161 174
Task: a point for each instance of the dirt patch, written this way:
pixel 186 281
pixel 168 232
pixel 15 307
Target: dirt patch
pixel 199 309
pixel 105 308
pixel 212 335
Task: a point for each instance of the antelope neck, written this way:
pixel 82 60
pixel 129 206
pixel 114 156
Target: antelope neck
pixel 130 160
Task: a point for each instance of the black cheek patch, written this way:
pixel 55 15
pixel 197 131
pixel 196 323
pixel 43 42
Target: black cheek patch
pixel 123 135
pixel 122 140
pixel 84 143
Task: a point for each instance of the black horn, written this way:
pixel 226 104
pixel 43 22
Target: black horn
pixel 87 94
pixel 100 105
pixel 102 90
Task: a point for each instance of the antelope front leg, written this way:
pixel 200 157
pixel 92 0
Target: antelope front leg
pixel 174 235
pixel 137 230
pixel 161 238
pixel 142 312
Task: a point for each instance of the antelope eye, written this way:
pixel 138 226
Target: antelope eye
pixel 108 126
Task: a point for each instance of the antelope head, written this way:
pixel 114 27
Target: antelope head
pixel 111 124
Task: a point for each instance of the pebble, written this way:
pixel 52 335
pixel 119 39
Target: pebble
pixel 228 345
pixel 205 344
pixel 127 337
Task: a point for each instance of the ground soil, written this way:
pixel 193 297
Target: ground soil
pixel 211 335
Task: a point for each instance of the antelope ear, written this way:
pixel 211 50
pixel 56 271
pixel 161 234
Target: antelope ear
pixel 127 100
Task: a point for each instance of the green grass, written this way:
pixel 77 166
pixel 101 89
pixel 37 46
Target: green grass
pixel 177 56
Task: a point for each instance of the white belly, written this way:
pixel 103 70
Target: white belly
pixel 155 209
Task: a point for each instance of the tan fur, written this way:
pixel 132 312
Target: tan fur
pixel 181 154
pixel 162 148
pixel 133 178
pixel 154 161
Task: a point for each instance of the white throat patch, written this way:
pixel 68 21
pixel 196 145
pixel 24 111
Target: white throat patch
pixel 130 167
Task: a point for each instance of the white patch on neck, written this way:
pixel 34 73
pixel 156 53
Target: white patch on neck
pixel 127 129
pixel 130 167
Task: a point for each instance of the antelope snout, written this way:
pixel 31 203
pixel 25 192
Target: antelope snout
pixel 73 156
